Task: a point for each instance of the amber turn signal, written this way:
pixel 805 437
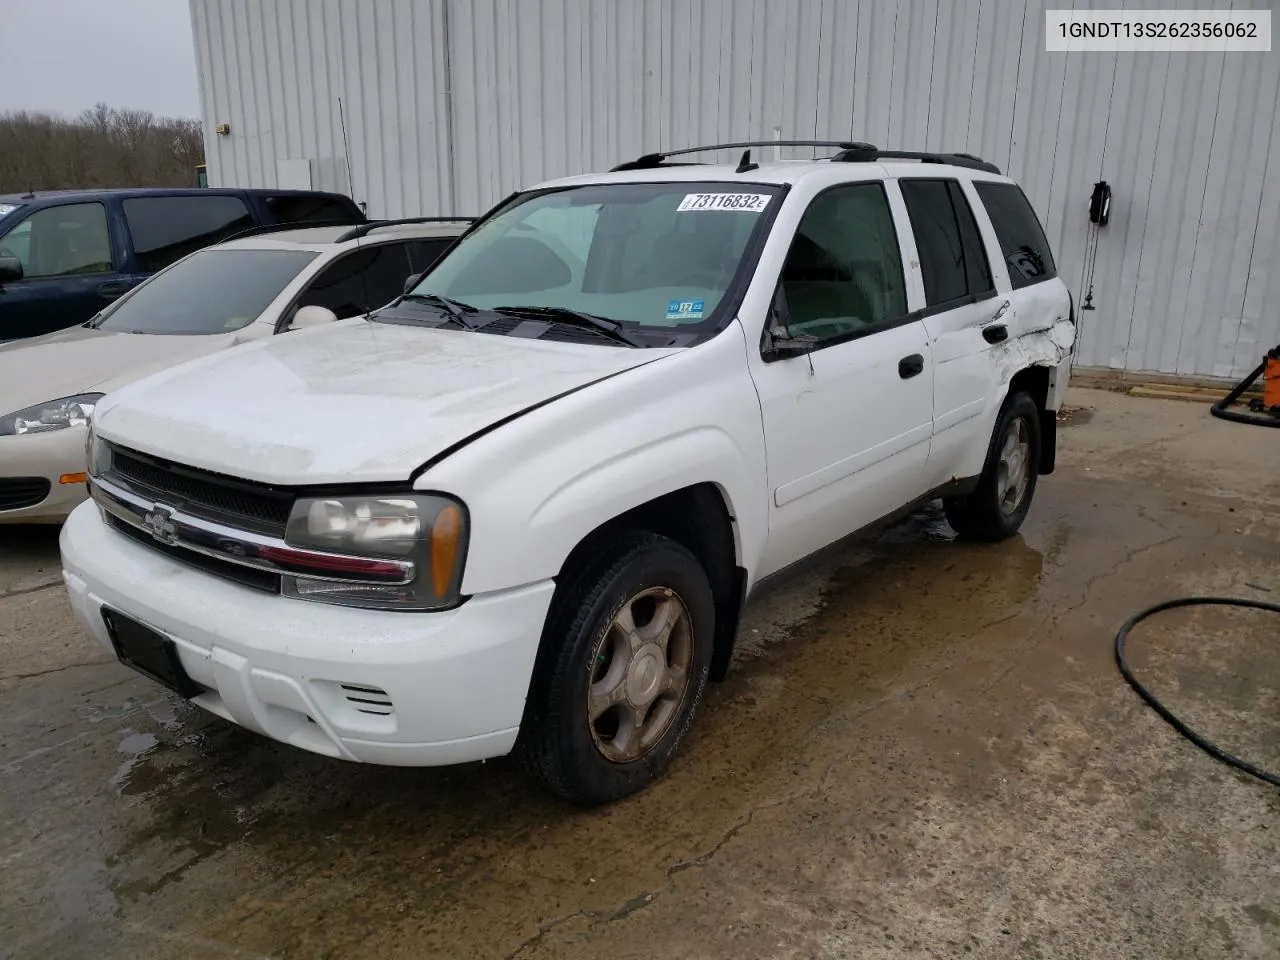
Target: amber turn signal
pixel 446 534
pixel 73 478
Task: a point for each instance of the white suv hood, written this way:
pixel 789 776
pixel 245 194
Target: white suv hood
pixel 351 402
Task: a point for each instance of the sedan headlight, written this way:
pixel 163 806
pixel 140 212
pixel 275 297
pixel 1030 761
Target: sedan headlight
pixel 74 411
pixel 428 530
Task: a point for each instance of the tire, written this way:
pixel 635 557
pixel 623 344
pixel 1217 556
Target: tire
pixel 992 512
pixel 588 659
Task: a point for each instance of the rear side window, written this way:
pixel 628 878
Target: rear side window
pixel 165 229
pixel 360 282
pixel 423 253
pixel 953 261
pixel 303 209
pixel 1022 241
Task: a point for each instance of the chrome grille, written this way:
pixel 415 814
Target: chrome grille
pixel 262 580
pixel 202 493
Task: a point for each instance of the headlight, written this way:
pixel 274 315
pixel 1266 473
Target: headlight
pixel 55 415
pixel 427 529
pixel 96 454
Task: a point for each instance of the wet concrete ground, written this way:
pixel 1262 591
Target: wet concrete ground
pixel 924 750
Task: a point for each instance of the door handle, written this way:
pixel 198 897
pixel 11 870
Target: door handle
pixel 995 333
pixel 112 289
pixel 908 367
pixel 1004 308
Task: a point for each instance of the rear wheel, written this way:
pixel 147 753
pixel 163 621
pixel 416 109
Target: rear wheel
pixel 622 669
pixel 996 509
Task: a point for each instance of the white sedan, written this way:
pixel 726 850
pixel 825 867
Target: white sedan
pixel 217 297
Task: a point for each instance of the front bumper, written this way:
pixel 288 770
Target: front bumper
pixel 49 456
pixel 455 681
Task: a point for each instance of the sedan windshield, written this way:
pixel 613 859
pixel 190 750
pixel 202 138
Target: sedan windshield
pixel 644 255
pixel 212 291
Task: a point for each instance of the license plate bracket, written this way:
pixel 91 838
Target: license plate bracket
pixel 149 652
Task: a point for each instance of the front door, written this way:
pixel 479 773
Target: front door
pixel 847 426
pixel 68 270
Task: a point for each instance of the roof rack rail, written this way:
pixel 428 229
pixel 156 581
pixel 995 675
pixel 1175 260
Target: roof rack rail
pixel 866 153
pixel 365 228
pixel 651 160
pixel 291 225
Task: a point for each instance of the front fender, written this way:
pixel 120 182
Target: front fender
pixel 701 454
pixel 537 486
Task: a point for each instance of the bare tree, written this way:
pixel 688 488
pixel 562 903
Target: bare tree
pixel 102 147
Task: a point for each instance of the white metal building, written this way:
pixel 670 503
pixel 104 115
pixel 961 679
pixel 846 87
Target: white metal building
pixel 419 107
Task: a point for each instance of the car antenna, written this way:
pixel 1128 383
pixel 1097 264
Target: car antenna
pixel 745 165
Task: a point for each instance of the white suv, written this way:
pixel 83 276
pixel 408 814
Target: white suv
pixel 522 507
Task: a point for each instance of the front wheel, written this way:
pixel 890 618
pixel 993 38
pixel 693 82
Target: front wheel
pixel 996 509
pixel 622 669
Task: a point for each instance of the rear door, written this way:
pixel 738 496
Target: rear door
pixel 962 315
pixel 1037 297
pixel 69 267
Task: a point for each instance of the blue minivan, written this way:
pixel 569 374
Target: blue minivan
pixel 66 254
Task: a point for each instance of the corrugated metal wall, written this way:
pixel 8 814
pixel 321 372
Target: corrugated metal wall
pixel 451 104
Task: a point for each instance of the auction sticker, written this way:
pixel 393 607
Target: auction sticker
pixel 740 202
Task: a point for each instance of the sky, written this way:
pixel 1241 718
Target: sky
pixel 63 56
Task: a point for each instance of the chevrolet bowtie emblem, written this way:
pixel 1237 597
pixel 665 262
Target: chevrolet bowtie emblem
pixel 159 523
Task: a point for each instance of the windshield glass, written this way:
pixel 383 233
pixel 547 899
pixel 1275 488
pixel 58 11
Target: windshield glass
pixel 652 255
pixel 212 291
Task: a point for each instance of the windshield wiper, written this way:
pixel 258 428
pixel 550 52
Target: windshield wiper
pixel 575 318
pixel 456 309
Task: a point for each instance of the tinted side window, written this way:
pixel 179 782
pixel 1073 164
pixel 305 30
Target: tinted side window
pixel 1022 241
pixel 298 209
pixel 165 229
pixel 843 274
pixel 933 220
pixel 423 253
pixel 62 241
pixel 977 267
pixel 360 282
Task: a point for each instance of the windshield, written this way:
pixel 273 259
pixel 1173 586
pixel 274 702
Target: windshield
pixel 648 255
pixel 212 291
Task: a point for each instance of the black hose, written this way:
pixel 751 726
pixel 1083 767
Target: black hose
pixel 1208 747
pixel 1220 410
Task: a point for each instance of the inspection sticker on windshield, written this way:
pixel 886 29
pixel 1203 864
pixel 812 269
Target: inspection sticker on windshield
pixel 740 202
pixel 685 309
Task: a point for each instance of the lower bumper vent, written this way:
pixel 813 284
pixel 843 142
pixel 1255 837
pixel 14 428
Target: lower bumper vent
pixel 368 699
pixel 19 492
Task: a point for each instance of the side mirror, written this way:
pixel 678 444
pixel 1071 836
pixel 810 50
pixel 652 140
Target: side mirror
pixel 312 316
pixel 785 346
pixel 413 281
pixel 10 269
pixel 778 343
